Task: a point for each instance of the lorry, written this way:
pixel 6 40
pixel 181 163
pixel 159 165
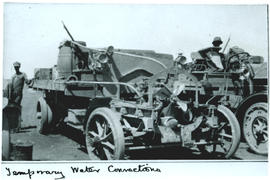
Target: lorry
pixel 240 84
pixel 120 100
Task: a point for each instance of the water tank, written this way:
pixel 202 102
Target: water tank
pixel 66 61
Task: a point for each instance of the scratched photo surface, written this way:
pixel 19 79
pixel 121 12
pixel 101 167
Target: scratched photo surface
pixel 134 82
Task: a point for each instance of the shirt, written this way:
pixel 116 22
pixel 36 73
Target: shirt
pixel 18 81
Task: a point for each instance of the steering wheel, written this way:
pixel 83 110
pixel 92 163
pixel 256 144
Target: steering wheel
pixel 237 54
pixel 247 83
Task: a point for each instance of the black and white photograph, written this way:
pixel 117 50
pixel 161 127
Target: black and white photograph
pixel 93 82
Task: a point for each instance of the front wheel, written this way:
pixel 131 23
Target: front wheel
pixel 104 135
pixel 255 128
pixel 226 137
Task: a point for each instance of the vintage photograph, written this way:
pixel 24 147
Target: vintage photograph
pixel 135 82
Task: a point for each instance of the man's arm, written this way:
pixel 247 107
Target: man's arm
pixel 26 80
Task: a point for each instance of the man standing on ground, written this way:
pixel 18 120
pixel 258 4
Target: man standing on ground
pixel 16 89
pixel 17 84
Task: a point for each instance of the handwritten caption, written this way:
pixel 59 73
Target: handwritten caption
pixel 58 174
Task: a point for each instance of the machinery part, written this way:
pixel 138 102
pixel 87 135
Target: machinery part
pixel 226 135
pixel 85 83
pixel 104 135
pixel 187 130
pixel 102 58
pixel 72 78
pixel 187 78
pixel 255 128
pixel 59 112
pixel 5 137
pixel 5 145
pixel 237 55
pixel 239 63
pixel 43 115
pixel 199 67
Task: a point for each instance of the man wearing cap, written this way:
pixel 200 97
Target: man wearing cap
pixel 17 83
pixel 16 88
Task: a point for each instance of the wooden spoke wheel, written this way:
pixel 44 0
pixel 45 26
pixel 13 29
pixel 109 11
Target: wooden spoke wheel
pixel 43 116
pixel 226 137
pixel 104 135
pixel 255 127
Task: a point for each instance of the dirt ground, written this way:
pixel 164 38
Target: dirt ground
pixel 69 144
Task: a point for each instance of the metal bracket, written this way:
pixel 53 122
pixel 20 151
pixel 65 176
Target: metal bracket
pixel 186 130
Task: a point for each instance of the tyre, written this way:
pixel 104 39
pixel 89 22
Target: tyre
pixel 255 127
pixel 104 135
pixel 227 135
pixel 43 116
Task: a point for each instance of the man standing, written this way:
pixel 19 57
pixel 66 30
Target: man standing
pixel 17 84
pixel 16 90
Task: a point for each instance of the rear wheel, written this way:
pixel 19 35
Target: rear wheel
pixel 104 135
pixel 255 127
pixel 43 116
pixel 226 137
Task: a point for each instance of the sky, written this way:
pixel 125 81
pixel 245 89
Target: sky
pixel 32 32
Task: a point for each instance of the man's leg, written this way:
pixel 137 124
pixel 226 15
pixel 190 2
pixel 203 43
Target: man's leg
pixel 18 103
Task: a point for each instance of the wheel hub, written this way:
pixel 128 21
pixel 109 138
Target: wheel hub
pixel 96 141
pixel 259 129
pixel 255 127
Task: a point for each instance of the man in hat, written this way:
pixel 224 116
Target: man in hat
pixel 180 60
pixel 17 84
pixel 16 89
pixel 217 42
pixel 215 59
